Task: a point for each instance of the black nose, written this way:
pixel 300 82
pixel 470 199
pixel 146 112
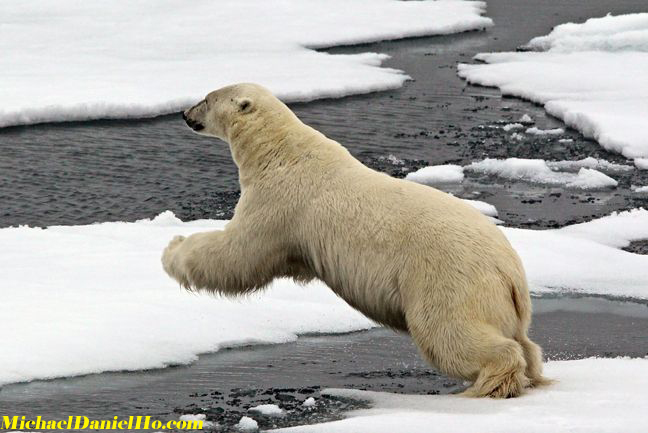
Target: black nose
pixel 196 126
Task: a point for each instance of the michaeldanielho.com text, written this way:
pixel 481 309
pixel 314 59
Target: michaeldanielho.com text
pixel 85 423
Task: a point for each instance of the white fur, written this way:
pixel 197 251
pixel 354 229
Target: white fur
pixel 406 255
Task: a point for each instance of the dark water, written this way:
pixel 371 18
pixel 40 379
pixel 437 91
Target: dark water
pixel 225 384
pixel 77 173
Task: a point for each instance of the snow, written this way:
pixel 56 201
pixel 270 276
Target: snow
pixel 583 400
pixel 193 417
pixel 267 409
pixel 75 60
pixel 435 174
pixel 590 162
pixel 94 298
pixel 537 131
pixel 588 178
pixel 640 189
pixel 517 136
pixel 610 33
pixel 525 119
pixel 199 417
pixel 309 402
pixel 590 75
pixel 566 140
pixel 529 170
pixel 539 171
pixel 247 424
pixel 511 126
pixel 483 207
pixel 586 258
pixel 641 163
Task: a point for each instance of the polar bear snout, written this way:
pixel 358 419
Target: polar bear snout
pixel 193 124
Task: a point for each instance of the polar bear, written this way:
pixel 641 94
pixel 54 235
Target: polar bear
pixel 408 256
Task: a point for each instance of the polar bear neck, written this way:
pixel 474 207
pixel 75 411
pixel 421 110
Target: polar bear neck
pixel 270 141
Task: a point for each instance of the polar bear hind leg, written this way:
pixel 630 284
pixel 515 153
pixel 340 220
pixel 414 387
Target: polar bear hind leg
pixel 476 352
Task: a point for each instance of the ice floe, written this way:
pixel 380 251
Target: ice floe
pixel 537 131
pixel 641 163
pixel 483 207
pixel 591 75
pixel 247 424
pixel 517 136
pixel 436 174
pixel 199 417
pixel 87 299
pixel 94 298
pixel 540 171
pixel 70 60
pixel 590 162
pixel 526 119
pixel 590 395
pixel 511 126
pixel 267 410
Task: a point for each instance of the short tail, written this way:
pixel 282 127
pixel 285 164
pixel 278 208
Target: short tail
pixel 532 352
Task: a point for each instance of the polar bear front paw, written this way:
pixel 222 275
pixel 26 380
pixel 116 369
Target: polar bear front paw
pixel 171 261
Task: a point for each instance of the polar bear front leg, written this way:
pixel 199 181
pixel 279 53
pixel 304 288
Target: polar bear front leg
pixel 220 261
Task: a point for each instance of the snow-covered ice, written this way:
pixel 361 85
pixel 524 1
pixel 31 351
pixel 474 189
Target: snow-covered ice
pixel 94 298
pixel 483 207
pixel 436 174
pixel 87 299
pixel 590 162
pixel 588 175
pixel 199 417
pixel 79 60
pixel 247 424
pixel 193 417
pixel 267 410
pixel 588 178
pixel 641 163
pixel 538 131
pixel 511 126
pixel 639 189
pixel 539 171
pixel 591 75
pixel 309 402
pixel 586 258
pixel 590 395
pixel 526 119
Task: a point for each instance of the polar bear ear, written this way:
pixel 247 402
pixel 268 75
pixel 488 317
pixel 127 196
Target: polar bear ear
pixel 244 104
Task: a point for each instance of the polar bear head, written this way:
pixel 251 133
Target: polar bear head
pixel 226 111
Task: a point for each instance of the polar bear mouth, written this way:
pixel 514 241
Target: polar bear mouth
pixel 196 126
